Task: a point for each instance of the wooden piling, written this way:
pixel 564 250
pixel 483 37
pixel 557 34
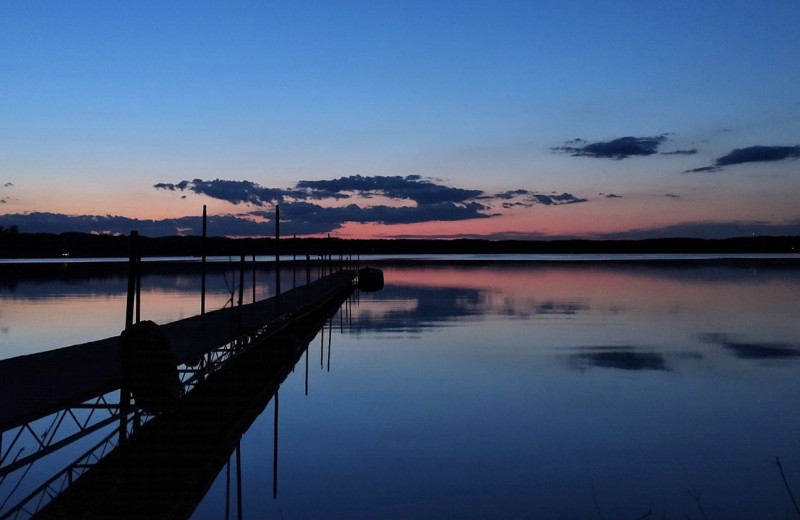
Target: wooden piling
pixel 203 267
pixel 131 279
pixel 277 250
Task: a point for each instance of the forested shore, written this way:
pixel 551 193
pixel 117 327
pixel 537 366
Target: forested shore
pixel 83 245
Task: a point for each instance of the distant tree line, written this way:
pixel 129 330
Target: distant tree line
pixel 15 244
pixel 12 230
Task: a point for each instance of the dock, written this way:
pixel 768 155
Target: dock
pixel 167 466
pixel 37 385
pixel 239 356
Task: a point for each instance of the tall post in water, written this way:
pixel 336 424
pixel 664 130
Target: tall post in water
pixel 277 250
pixel 328 251
pixel 124 394
pixel 241 281
pixel 294 261
pixel 138 275
pixel 132 279
pixel 203 266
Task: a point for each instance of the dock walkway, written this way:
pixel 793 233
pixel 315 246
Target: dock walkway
pixel 38 385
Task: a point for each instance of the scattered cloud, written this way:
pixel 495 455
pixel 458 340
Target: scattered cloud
pixel 414 200
pixel 620 148
pixel 172 187
pixel 528 199
pixel 235 192
pixel 610 195
pixel 299 217
pixel 759 154
pixel 681 152
pixel 305 218
pixel 703 169
pixel 8 184
pixel 410 187
pixel 672 196
pixel 750 154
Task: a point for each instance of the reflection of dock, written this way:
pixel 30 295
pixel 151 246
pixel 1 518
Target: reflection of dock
pixel 52 399
pixel 167 466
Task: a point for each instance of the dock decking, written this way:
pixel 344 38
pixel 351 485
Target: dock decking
pixel 38 385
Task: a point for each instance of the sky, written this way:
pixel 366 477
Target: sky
pixel 362 119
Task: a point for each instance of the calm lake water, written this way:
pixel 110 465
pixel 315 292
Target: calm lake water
pixel 506 390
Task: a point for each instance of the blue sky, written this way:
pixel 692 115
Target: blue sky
pixel 104 101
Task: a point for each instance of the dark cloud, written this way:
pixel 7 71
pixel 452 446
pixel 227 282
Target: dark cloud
pixel 170 186
pixel 301 215
pixel 681 152
pixel 612 196
pixel 511 194
pixel 235 192
pixel 750 154
pixel 304 218
pixel 8 185
pixel 529 199
pixel 703 169
pixel 411 187
pixel 620 148
pixel 672 196
pixel 238 191
pixel 759 154
pixel 753 350
pixel 297 217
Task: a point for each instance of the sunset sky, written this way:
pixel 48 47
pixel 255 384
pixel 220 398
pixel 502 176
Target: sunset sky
pixel 497 119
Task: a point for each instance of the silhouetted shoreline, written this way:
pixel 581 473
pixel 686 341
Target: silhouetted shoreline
pixel 82 245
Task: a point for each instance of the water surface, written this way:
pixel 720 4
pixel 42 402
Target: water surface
pixel 538 390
